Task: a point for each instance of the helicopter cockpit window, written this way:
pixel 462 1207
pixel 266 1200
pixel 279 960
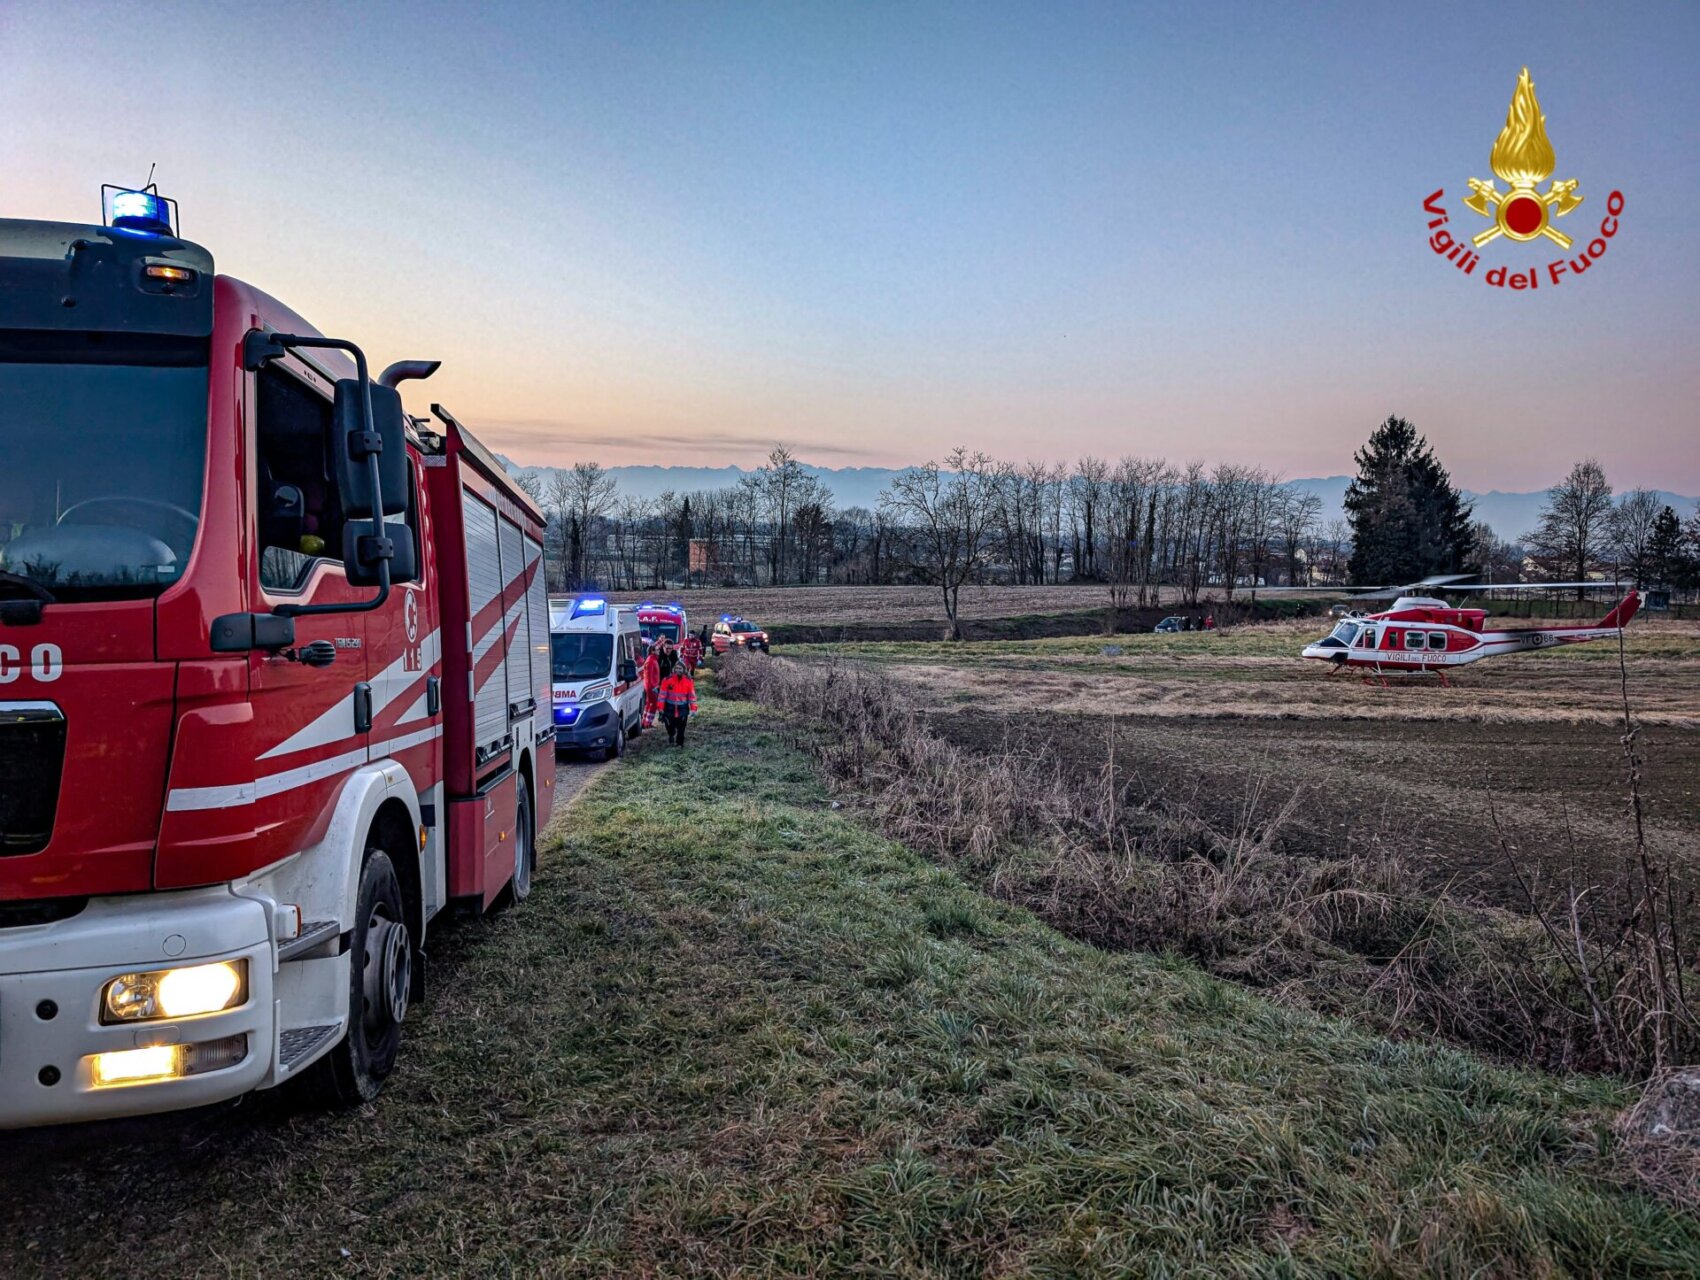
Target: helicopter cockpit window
pixel 1346 632
pixel 1366 640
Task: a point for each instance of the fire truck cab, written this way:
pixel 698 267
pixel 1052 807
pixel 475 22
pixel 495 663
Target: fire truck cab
pixel 274 683
pixel 661 622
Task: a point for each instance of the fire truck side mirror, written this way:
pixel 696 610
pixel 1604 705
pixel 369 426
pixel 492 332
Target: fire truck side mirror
pixel 354 445
pixel 362 554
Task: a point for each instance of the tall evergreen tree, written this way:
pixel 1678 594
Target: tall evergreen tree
pixel 1407 519
pixel 1670 565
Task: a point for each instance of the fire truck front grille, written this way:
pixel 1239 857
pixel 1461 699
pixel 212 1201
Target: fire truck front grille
pixel 32 758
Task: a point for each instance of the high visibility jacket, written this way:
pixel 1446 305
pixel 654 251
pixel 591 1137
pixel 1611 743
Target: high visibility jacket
pixel 651 674
pixel 679 691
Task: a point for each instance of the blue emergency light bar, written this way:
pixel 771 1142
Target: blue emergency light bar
pixel 144 211
pixel 589 605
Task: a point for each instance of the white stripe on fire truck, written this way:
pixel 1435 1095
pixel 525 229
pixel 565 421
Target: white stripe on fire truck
pixel 188 799
pixel 337 722
pixel 498 629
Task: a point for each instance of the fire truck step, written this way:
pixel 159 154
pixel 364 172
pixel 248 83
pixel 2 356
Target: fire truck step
pixel 298 1044
pixel 314 934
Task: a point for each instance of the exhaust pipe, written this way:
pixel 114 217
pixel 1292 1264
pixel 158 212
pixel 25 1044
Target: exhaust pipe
pixel 406 370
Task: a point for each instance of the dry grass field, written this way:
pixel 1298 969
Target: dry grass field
pixel 1233 728
pixel 848 606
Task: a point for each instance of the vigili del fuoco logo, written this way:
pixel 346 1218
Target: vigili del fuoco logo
pixel 1523 158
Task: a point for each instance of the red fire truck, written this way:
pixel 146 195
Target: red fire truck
pixel 274 683
pixel 661 622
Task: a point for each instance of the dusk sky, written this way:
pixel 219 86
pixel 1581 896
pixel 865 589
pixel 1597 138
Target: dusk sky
pixel 681 233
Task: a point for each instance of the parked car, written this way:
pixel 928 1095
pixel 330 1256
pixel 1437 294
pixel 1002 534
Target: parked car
pixel 1170 625
pixel 738 633
pixel 1342 611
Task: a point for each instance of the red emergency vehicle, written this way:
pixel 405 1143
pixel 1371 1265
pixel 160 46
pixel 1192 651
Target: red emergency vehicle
pixel 274 683
pixel 661 622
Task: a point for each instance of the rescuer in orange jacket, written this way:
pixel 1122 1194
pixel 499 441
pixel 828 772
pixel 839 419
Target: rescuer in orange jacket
pixel 678 700
pixel 651 687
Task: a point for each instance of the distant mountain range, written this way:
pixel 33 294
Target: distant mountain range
pixel 1511 514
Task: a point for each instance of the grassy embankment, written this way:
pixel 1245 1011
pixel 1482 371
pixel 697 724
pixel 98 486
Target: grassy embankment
pixel 733 1032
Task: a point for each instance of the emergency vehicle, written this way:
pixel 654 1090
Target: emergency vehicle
pixel 598 701
pixel 274 682
pixel 737 633
pixel 661 622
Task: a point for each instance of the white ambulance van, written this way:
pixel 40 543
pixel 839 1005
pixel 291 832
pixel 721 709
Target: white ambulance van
pixel 594 648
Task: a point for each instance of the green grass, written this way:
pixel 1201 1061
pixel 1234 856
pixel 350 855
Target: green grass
pixel 734 1033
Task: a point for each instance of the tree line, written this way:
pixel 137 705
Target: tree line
pixel 1132 525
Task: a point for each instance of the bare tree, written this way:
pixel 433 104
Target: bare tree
pixel 1575 523
pixel 531 484
pixel 1296 516
pixel 949 511
pixel 1500 561
pixel 780 479
pixel 586 492
pixel 1632 524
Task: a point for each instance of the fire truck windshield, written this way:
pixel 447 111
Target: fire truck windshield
pixel 100 493
pixel 581 655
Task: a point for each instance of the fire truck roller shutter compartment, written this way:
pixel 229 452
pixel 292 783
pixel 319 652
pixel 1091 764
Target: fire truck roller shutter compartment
pixel 484 580
pixel 537 604
pixel 516 629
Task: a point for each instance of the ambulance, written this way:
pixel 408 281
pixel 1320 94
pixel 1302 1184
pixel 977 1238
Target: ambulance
pixel 597 697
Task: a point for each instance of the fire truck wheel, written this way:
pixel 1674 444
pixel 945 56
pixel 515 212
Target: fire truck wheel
pixel 525 847
pixel 380 966
pixel 617 747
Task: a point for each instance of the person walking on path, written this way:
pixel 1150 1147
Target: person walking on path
pixel 690 653
pixel 651 687
pixel 669 657
pixel 678 700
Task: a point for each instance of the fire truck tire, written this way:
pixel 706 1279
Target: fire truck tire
pixel 380 966
pixel 525 846
pixel 617 747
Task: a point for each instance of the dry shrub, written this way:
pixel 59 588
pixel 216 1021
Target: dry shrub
pixel 1354 933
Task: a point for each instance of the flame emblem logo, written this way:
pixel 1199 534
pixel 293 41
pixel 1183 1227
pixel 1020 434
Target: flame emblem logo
pixel 1522 157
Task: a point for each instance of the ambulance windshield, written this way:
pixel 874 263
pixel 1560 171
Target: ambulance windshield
pixel 581 655
pixel 105 449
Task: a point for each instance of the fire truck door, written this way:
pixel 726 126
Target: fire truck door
pixel 312 704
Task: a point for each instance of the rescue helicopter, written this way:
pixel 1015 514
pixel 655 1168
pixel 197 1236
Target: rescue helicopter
pixel 1421 634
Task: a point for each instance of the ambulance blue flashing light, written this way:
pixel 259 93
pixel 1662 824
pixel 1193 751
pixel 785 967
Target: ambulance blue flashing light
pixel 589 605
pixel 141 211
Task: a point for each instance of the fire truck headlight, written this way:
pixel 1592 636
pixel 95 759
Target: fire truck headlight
pixel 175 993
